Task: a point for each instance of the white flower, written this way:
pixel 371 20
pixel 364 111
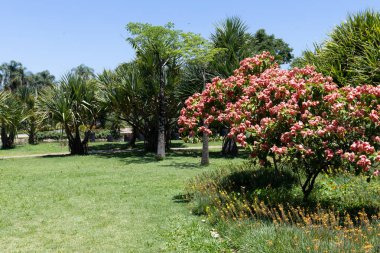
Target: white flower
pixel 214 234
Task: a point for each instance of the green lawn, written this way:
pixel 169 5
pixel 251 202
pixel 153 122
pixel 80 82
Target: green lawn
pixel 20 150
pixel 101 203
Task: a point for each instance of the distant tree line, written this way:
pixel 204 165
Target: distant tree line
pixel 145 93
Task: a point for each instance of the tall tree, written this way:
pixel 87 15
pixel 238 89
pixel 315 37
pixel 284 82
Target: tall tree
pixel 260 41
pixel 84 71
pixel 28 96
pixel 12 75
pixel 351 54
pixel 164 48
pixel 124 93
pixel 40 80
pixel 232 34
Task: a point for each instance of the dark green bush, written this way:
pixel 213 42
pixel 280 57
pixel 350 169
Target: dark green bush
pixel 102 133
pixel 53 135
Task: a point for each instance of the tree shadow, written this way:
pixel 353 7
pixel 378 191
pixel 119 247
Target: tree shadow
pixel 251 180
pixel 109 146
pixel 138 156
pixel 128 156
pixel 56 155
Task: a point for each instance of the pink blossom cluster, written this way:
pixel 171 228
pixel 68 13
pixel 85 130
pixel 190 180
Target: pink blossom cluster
pixel 295 113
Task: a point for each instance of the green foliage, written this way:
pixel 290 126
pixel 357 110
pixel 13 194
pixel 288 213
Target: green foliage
pixel 261 41
pixel 12 114
pixel 102 133
pixel 83 71
pixel 40 80
pixel 73 104
pixel 351 54
pixel 12 75
pixel 233 36
pixel 50 135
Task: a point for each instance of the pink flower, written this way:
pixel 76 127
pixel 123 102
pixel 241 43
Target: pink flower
pixel 362 147
pixel 350 156
pixel 374 116
pixel 364 162
pixel 329 154
pixel 278 150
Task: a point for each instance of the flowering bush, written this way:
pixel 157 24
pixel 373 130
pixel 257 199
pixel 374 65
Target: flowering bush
pixel 298 116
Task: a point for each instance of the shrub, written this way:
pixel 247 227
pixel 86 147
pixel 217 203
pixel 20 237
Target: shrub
pixel 52 135
pixel 102 133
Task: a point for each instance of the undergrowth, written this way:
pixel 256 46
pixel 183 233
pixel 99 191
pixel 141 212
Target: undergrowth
pixel 342 214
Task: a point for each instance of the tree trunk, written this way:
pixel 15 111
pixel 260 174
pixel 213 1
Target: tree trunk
pixel 205 138
pixel 308 185
pixel 75 144
pixel 76 147
pixel 7 140
pixel 229 147
pixel 205 148
pixel 32 133
pixel 132 142
pixel 161 117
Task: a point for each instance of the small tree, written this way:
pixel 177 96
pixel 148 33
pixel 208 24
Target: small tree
pixel 74 104
pixel 296 115
pixel 163 48
pixel 201 54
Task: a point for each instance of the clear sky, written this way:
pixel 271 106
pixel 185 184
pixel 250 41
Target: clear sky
pixel 60 34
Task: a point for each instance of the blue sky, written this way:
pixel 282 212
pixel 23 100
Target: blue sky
pixel 60 34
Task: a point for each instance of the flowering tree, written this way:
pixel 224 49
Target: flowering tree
pixel 298 116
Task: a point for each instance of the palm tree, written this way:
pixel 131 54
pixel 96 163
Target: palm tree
pixel 351 54
pixel 40 80
pixel 12 114
pixel 28 96
pixel 84 71
pixel 74 104
pixel 231 34
pixel 12 75
pixel 123 93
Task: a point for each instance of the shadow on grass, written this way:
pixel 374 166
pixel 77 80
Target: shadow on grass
pixel 252 180
pixel 136 156
pixel 109 146
pixel 56 155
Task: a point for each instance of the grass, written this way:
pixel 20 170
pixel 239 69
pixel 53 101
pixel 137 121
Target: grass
pixel 61 147
pixel 101 203
pixel 129 202
pixel 42 148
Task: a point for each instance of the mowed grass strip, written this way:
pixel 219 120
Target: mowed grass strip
pixel 99 203
pixel 27 149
